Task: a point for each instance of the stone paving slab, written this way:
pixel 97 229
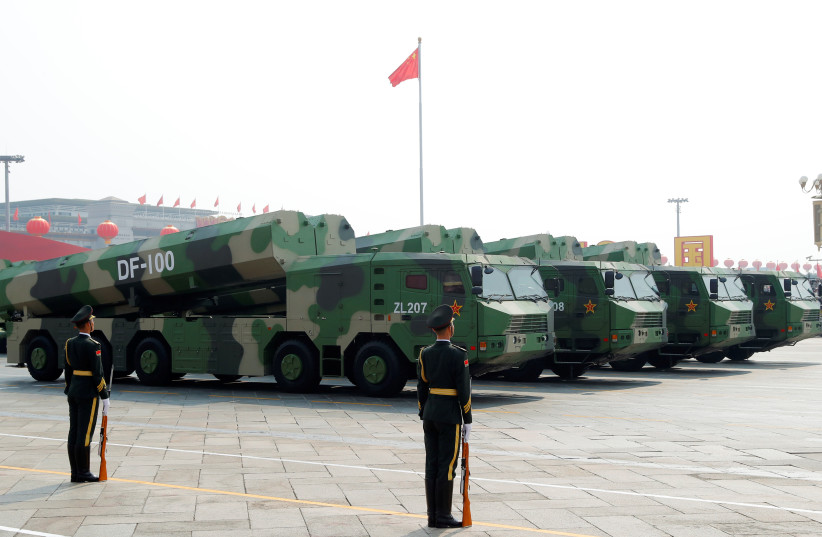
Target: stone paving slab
pixel 702 450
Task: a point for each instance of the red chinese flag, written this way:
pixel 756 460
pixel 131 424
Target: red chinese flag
pixel 176 203
pixel 254 208
pixel 17 216
pixel 79 220
pixel 194 203
pixel 409 69
pixel 239 206
pixel 142 199
pixel 217 202
pixel 160 201
pixel 265 209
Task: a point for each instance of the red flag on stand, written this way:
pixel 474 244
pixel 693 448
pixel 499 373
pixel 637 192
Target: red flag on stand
pixel 142 199
pixel 239 206
pixel 194 203
pixel 265 209
pixel 254 208
pixel 176 203
pixel 79 220
pixel 160 201
pixel 217 202
pixel 17 215
pixel 409 69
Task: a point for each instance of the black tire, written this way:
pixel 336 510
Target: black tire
pixel 227 378
pixel 378 371
pixel 296 367
pixel 41 359
pixel 569 371
pixel 527 372
pixel 153 364
pixel 664 362
pixel 711 358
pixel 736 354
pixel 631 364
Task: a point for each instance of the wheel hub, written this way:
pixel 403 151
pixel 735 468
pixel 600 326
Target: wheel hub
pixel 374 369
pixel 39 358
pixel 149 361
pixel 292 366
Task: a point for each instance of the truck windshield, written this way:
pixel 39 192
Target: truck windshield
pixel 635 285
pixel 495 285
pixel 526 283
pixel 801 289
pixel 730 289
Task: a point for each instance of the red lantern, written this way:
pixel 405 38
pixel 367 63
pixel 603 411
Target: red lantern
pixel 168 230
pixel 715 263
pixel 729 263
pixel 37 226
pixel 781 266
pixel 742 263
pixel 795 266
pixel 770 265
pixel 664 260
pixel 807 267
pixel 108 230
pixel 757 264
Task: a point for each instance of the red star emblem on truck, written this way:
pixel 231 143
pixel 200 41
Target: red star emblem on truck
pixel 589 307
pixel 456 308
pixel 769 305
pixel 691 306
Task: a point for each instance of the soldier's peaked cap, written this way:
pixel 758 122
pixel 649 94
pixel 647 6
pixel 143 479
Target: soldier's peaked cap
pixel 83 315
pixel 440 317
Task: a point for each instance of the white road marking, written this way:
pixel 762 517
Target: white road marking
pixel 15 531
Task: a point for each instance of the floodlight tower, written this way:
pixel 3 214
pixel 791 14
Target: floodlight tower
pixel 678 201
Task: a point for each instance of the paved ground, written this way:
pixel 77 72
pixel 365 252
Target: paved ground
pixel 697 451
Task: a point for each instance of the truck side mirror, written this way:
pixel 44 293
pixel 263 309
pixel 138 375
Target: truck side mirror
pixel 609 280
pixel 476 276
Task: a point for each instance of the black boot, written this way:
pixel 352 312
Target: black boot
pixel 445 493
pixel 72 463
pixel 431 502
pixel 82 455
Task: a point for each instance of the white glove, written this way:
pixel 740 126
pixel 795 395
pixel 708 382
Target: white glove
pixel 466 431
pixel 106 404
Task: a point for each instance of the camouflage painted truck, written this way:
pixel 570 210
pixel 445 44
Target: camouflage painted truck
pixel 785 310
pixel 277 294
pixel 705 315
pixel 604 311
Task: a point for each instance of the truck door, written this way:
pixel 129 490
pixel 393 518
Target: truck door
pixel 454 291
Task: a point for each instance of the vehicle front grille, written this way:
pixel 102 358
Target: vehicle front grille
pixel 740 317
pixel 810 316
pixel 647 320
pixel 532 322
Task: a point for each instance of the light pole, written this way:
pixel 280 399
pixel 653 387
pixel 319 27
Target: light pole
pixel 678 201
pixel 817 206
pixel 6 160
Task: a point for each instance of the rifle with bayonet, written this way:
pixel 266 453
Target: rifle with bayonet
pixel 466 503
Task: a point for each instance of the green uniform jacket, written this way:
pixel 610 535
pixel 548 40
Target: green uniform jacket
pixel 444 384
pixel 84 368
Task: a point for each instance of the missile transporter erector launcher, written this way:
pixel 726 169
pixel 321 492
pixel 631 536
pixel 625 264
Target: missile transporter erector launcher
pixel 279 293
pixel 604 311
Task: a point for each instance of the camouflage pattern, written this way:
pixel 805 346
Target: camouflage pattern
pixel 700 323
pixel 280 294
pixel 644 253
pixel 785 310
pixel 592 327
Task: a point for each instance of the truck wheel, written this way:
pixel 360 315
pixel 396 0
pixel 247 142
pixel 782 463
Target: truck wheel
pixel 631 364
pixel 711 358
pixel 527 372
pixel 378 371
pixel 569 371
pixel 41 359
pixel 296 368
pixel 737 355
pixel 663 362
pixel 153 363
pixel 227 378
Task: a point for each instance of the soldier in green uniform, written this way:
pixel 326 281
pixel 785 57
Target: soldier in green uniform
pixel 85 385
pixel 444 399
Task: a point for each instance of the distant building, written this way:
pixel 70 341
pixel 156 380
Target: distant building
pixel 75 221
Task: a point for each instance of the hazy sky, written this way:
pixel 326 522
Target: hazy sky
pixel 571 118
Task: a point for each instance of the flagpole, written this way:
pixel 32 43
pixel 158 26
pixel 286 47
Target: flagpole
pixel 419 79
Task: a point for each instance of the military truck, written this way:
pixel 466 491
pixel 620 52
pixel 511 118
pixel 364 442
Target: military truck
pixel 604 311
pixel 718 318
pixel 785 310
pixel 279 293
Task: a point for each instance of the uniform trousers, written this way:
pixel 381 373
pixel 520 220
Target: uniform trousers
pixel 442 447
pixel 82 420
